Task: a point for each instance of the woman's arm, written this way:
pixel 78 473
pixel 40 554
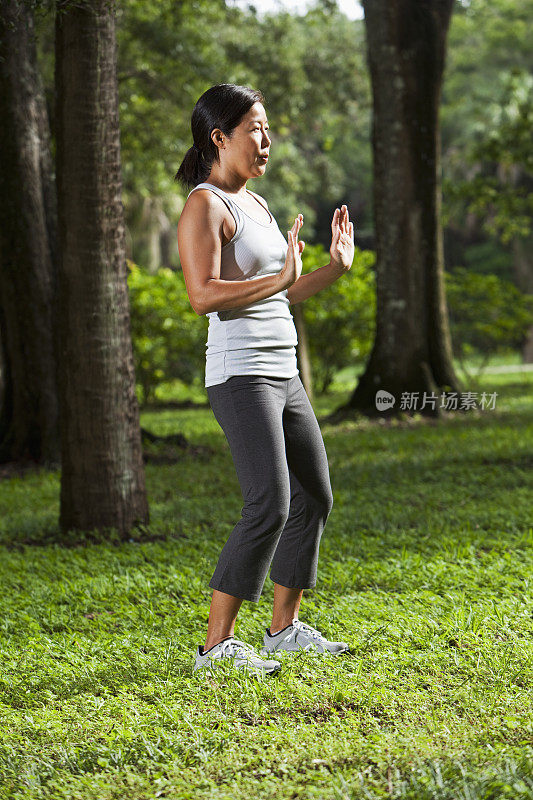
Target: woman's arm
pixel 312 282
pixel 200 230
pixel 341 257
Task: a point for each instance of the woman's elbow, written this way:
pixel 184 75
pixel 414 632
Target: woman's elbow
pixel 199 305
pixel 201 302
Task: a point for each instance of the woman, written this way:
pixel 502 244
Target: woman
pixel 241 272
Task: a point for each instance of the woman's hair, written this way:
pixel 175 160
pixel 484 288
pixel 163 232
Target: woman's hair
pixel 222 106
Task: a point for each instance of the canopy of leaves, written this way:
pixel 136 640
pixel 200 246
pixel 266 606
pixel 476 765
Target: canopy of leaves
pixel 487 117
pixel 312 70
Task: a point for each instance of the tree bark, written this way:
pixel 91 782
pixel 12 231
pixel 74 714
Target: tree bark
pixel 102 482
pixel 412 352
pixel 29 426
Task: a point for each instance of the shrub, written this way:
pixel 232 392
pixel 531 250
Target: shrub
pixel 340 320
pixel 487 314
pixel 168 336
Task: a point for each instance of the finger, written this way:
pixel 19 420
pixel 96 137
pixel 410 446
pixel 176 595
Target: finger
pixel 345 219
pixel 335 221
pixel 296 225
pixel 351 230
pixel 293 242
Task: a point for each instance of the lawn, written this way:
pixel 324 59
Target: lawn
pixel 425 568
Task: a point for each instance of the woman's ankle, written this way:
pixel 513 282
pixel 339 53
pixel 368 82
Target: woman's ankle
pixel 274 628
pixel 213 642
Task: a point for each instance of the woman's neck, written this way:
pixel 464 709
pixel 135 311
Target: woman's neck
pixel 229 184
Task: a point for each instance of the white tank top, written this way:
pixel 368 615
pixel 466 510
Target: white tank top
pixel 260 338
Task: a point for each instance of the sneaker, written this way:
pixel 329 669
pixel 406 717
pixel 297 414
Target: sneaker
pixel 244 657
pixel 299 636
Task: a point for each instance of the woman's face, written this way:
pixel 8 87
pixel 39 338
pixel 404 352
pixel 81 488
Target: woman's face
pixel 246 149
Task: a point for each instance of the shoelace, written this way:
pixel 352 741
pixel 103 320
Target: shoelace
pixel 304 628
pixel 237 647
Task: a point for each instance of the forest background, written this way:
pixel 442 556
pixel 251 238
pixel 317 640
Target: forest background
pixel 321 157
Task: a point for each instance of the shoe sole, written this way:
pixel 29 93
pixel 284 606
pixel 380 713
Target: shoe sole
pixel 264 652
pixel 254 672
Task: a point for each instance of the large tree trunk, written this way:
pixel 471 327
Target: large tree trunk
pixel 29 426
pixel 412 353
pixel 103 473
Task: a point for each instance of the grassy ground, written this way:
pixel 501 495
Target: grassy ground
pixel 425 568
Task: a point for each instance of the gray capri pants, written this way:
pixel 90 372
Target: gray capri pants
pixel 282 467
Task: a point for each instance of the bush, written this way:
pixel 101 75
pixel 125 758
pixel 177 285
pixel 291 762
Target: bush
pixel 340 320
pixel 168 336
pixel 487 314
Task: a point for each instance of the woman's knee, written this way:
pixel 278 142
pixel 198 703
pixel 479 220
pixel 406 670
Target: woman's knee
pixel 325 501
pixel 270 507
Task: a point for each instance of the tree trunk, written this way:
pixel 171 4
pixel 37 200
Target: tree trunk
pixel 29 427
pixel 167 238
pixel 103 483
pixel 412 351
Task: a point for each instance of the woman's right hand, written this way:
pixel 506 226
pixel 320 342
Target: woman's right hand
pixel 292 269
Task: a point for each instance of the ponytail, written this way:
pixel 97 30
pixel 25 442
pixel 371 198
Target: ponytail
pixel 193 169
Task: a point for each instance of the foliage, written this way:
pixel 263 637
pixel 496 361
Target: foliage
pixel 340 319
pixel 312 69
pixel 313 72
pixel 500 192
pixel 168 337
pixel 487 115
pixel 170 53
pixel 487 313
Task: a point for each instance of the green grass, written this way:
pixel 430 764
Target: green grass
pixel 425 568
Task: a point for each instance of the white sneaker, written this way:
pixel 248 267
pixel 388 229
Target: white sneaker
pixel 244 657
pixel 299 636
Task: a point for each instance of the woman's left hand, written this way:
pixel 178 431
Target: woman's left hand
pixel 342 239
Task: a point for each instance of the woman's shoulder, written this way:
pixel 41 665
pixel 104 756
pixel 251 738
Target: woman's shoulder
pixel 202 205
pixel 259 197
pixel 203 196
